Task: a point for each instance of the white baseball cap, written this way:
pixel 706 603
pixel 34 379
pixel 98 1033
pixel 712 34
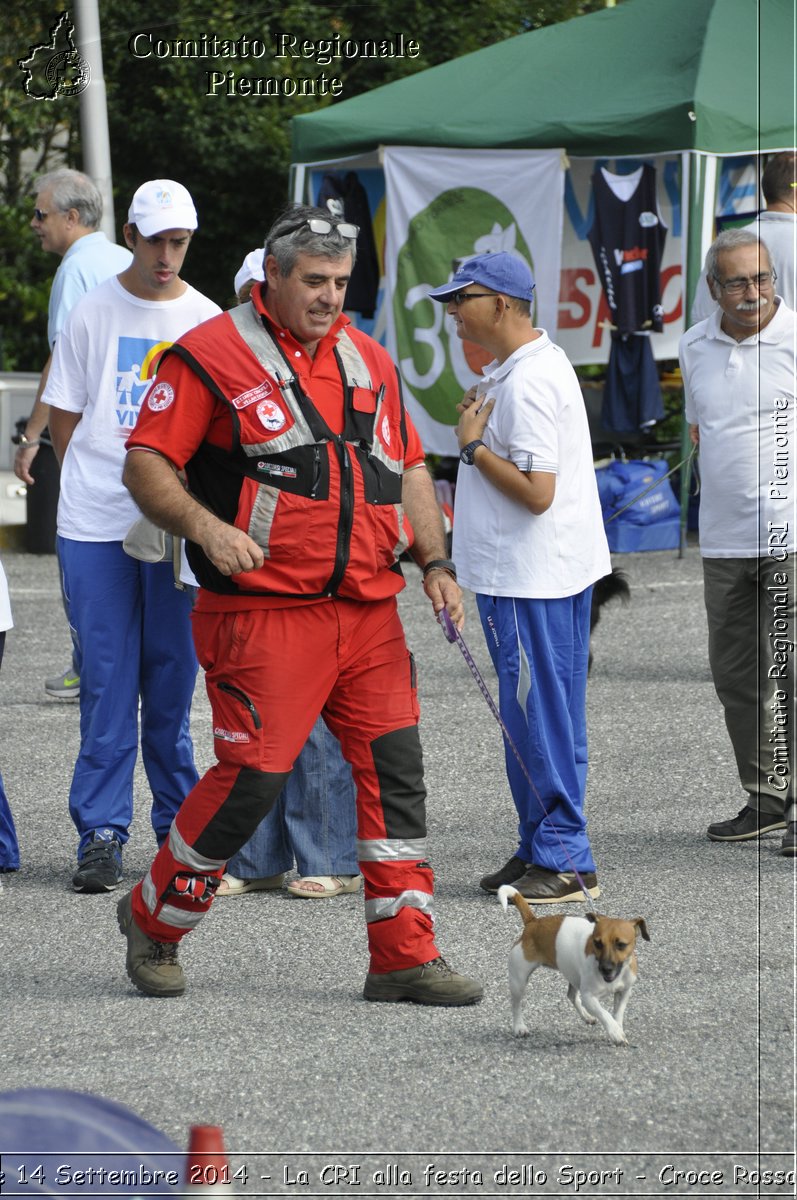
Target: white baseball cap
pixel 251 268
pixel 162 204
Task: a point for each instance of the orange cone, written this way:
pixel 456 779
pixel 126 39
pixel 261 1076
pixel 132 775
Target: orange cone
pixel 207 1166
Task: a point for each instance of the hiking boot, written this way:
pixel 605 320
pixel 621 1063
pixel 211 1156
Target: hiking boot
pixel 556 887
pixel 749 823
pixel 511 871
pixel 151 966
pixel 63 687
pixel 788 846
pixel 431 983
pixel 100 865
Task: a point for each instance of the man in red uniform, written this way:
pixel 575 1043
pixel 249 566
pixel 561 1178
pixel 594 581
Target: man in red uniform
pixel 301 465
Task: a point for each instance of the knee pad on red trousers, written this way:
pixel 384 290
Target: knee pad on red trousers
pixel 226 807
pixel 216 818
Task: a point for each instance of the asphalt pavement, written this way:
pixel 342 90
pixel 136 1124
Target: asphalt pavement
pixel 273 1040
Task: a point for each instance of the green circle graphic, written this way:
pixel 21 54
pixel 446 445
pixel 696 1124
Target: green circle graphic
pixel 458 224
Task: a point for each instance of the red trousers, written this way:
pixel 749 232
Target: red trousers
pixel 269 673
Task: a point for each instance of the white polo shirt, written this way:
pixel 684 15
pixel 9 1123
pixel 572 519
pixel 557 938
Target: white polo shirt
pixel 539 422
pixel 742 397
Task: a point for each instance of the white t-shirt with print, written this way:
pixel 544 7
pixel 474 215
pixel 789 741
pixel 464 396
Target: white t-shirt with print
pixel 539 422
pixel 103 364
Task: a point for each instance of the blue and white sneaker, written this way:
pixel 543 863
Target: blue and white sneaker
pixel 100 865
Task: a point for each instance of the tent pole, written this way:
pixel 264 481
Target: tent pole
pixel 298 175
pixel 700 171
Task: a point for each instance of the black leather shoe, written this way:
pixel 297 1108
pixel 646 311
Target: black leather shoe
pixel 788 846
pixel 542 886
pixel 508 874
pixel 749 823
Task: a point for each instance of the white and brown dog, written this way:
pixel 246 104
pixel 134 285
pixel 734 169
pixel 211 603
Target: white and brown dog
pixel 595 954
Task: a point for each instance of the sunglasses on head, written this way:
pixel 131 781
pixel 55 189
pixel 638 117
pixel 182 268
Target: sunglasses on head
pixel 320 225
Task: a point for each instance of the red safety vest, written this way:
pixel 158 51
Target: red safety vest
pixel 325 508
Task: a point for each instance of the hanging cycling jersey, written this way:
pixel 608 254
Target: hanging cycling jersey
pixel 627 236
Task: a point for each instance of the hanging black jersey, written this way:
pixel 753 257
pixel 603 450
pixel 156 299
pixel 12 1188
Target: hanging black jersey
pixel 627 236
pixel 345 196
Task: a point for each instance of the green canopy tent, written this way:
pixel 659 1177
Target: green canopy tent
pixel 646 76
pixel 716 77
pixel 709 78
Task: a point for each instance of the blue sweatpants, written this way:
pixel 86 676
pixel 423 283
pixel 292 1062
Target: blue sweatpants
pixel 9 847
pixel 134 633
pixel 540 650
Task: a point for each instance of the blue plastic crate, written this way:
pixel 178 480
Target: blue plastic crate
pixel 625 538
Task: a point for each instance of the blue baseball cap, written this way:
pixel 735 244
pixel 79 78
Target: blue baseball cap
pixel 500 272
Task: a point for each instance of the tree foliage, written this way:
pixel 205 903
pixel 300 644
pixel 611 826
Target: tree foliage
pixel 232 152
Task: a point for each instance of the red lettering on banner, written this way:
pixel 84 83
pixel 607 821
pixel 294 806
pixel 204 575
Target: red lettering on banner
pixel 570 294
pixel 580 294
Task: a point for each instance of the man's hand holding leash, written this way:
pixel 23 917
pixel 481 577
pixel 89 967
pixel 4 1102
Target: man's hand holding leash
pixel 445 593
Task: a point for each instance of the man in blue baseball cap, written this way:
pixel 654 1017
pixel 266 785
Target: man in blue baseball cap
pixel 529 541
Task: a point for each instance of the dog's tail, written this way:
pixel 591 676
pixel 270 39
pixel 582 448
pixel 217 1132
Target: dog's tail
pixel 610 587
pixel 508 895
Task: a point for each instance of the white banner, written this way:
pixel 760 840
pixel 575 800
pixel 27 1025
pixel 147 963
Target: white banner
pixel 442 206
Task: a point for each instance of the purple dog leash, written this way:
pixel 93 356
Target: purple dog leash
pixel 453 635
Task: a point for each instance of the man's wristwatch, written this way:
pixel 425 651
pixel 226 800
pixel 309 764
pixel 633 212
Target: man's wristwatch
pixel 467 452
pixel 440 564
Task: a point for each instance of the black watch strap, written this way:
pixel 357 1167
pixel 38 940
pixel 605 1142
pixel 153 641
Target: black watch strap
pixel 440 564
pixel 467 452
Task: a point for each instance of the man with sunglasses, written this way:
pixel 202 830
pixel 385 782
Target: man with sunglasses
pixel 529 541
pixel 66 220
pixel 738 368
pixel 301 465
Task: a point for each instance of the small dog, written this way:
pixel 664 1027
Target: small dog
pixel 610 587
pixel 595 954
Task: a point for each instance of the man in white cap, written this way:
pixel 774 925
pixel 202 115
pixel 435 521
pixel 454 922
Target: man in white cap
pixel 131 622
pixel 249 273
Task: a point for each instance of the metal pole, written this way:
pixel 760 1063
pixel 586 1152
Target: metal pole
pixel 94 133
pixel 701 189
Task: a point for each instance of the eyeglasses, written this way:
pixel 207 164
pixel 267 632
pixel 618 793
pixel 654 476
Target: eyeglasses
pixel 319 225
pixel 458 298
pixel 735 287
pixel 39 215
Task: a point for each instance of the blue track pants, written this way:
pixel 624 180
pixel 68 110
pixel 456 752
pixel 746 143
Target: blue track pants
pixel 540 650
pixel 134 633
